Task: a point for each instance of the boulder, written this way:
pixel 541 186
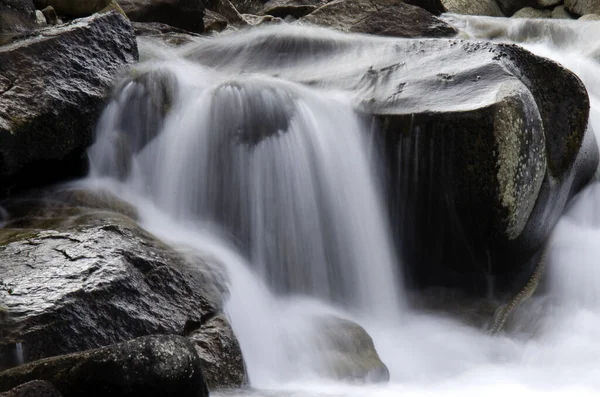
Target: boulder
pixel 214 22
pixel 469 7
pixel 40 18
pixel 433 6
pixel 220 353
pixel 509 7
pixel 548 3
pixel 590 17
pixel 295 8
pixel 483 149
pixel 561 12
pixel 76 8
pixel 532 13
pixel 16 16
pixel 385 18
pixel 148 366
pixel 183 14
pixel 347 351
pixel 34 388
pixel 52 88
pixel 163 33
pixel 583 7
pixel 75 277
pixel 51 16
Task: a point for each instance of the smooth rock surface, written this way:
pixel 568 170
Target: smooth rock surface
pixel 590 17
pixel 548 3
pixel 52 88
pixel 561 12
pixel 35 388
pixel 481 122
pixel 385 18
pixel 469 7
pixel 530 12
pixel 183 14
pixel 153 366
pixel 76 277
pixel 583 7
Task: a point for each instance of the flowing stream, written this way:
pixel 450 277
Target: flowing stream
pixel 280 183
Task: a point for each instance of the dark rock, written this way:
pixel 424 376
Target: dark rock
pixel 51 17
pixel 509 7
pixel 386 18
pixel 35 388
pixel 148 366
pixel 534 13
pixel 583 7
pixel 469 7
pixel 295 8
pixel 347 351
pixel 220 352
pixel 52 87
pixel 214 22
pixel 77 8
pixel 16 16
pixel 433 6
pixel 483 149
pixel 183 14
pixel 75 278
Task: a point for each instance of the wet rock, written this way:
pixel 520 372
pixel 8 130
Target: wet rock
pixel 561 12
pixel 163 33
pixel 220 354
pixel 535 13
pixel 214 22
pixel 295 8
pixel 258 20
pixel 147 366
pixel 183 14
pixel 35 388
pixel 16 16
pixel 385 18
pixel 583 7
pixel 51 17
pixel 506 144
pixel 509 7
pixel 40 19
pixel 75 278
pixel 469 7
pixel 590 17
pixel 52 88
pixel 348 352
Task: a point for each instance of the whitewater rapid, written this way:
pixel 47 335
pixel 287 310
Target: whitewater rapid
pixel 550 348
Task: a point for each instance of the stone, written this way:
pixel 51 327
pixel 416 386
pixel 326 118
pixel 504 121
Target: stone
pixel 386 18
pixel 347 351
pixel 40 19
pixel 16 16
pixel 482 122
pixel 433 6
pixel 51 17
pixel 548 3
pixel 149 366
pixel 78 8
pixel 532 13
pixel 509 7
pixel 34 388
pixel 258 20
pixel 52 88
pixel 469 7
pixel 76 277
pixel 183 14
pixel 583 7
pixel 590 17
pixel 561 12
pixel 220 354
pixel 166 34
pixel 214 22
pixel 295 8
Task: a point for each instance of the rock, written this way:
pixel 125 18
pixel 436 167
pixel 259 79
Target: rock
pixel 214 22
pixel 386 18
pixel 75 278
pixel 148 366
pixel 51 17
pixel 561 12
pixel 469 7
pixel 220 352
pixel 295 8
pixel 35 388
pixel 509 7
pixel 77 8
pixel 433 6
pixel 257 20
pixel 183 14
pixel 482 122
pixel 583 7
pixel 163 33
pixel 548 3
pixel 348 352
pixel 40 19
pixel 52 87
pixel 16 16
pixel 529 12
pixel 590 17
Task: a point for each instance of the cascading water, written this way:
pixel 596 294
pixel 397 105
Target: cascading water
pixel 273 180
